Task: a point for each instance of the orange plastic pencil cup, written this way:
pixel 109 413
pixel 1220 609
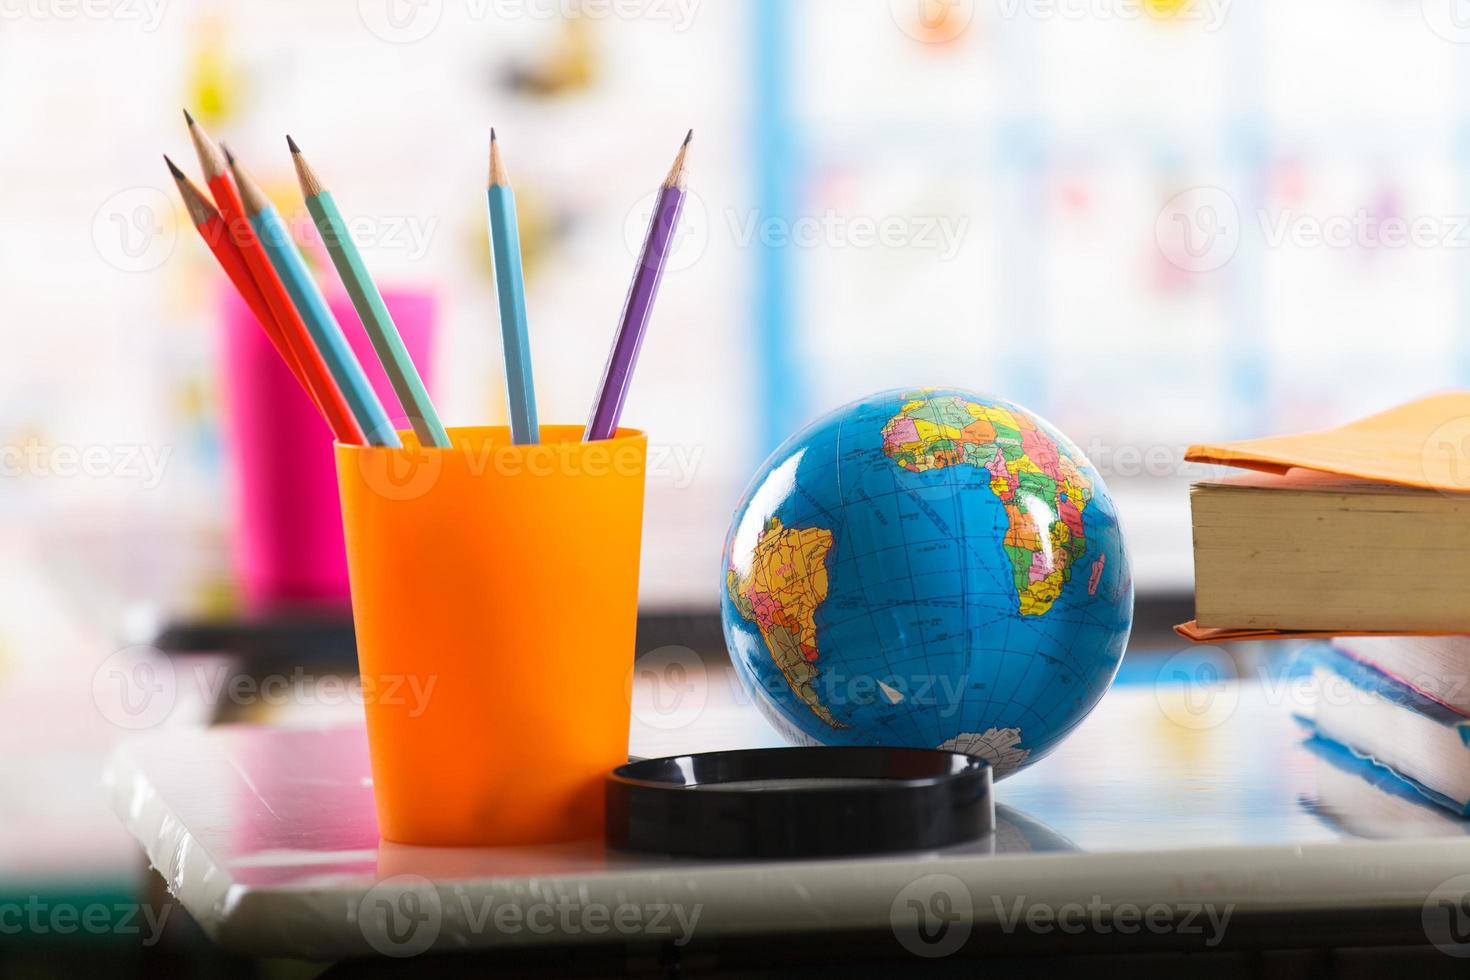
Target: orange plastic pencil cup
pixel 495 593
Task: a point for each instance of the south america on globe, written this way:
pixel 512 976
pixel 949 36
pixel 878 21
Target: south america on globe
pixel 927 567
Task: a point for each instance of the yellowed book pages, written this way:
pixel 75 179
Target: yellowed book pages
pixel 1307 551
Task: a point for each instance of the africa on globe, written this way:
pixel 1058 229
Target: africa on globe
pixel 927 567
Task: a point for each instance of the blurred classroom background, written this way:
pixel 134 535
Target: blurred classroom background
pixel 1154 222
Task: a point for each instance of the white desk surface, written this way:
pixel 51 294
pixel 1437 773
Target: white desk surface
pixel 267 837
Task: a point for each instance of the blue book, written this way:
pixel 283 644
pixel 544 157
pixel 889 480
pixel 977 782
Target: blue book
pixel 1386 723
pixel 1367 799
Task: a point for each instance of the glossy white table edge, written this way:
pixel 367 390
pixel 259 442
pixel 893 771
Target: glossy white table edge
pixel 320 922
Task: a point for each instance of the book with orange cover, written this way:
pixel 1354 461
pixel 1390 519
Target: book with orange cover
pixel 1424 443
pixel 1196 633
pixel 1327 505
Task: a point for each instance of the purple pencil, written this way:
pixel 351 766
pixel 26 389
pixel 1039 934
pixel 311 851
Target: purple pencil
pixel 641 293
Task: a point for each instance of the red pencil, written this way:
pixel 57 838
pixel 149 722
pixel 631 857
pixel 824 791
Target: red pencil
pixel 237 227
pixel 211 227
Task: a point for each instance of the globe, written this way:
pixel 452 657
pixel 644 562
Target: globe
pixel 931 568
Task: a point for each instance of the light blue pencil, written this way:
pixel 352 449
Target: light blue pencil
pixel 308 298
pixel 505 244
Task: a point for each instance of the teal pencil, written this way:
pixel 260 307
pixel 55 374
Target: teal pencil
pixel 505 244
pixel 368 302
pixel 312 305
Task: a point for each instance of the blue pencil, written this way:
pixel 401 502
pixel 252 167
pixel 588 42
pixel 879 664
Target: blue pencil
pixel 308 298
pixel 505 244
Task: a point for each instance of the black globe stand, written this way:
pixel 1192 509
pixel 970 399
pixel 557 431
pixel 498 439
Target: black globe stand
pixel 799 802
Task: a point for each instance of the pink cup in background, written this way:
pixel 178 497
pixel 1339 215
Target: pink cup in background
pixel 288 548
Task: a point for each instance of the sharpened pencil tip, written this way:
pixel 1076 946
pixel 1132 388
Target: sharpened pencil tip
pixel 292 144
pixel 229 157
pixel 188 118
pixel 311 185
pixel 210 160
pixel 172 168
pixel 676 171
pixel 498 175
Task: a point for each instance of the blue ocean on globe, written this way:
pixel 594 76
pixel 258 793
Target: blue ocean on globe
pixel 929 567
